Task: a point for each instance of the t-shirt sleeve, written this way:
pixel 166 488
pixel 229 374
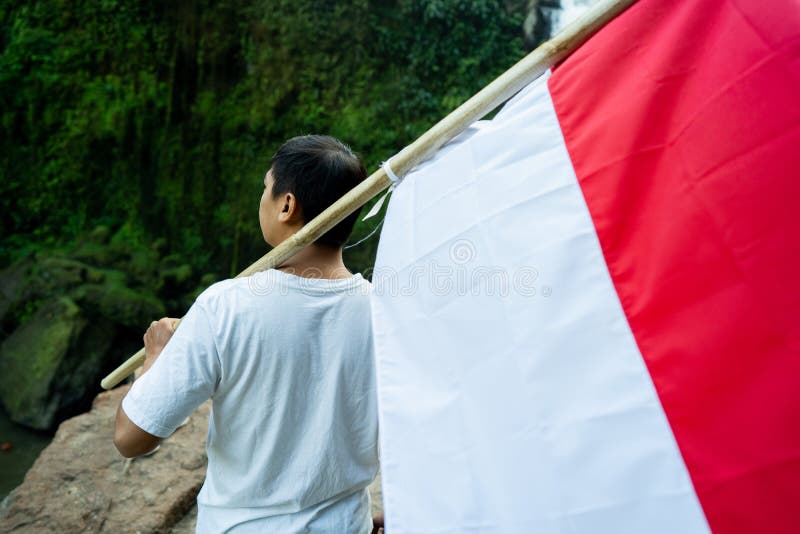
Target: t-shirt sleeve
pixel 185 374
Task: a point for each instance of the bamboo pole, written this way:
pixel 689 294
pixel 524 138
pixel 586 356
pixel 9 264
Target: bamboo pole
pixel 501 89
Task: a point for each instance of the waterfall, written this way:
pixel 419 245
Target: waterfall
pixel 570 10
pixel 546 17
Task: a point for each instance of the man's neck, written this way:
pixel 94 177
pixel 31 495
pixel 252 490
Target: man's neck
pixel 317 261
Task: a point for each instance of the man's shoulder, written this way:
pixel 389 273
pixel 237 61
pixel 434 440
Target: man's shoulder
pixel 255 286
pixel 219 292
pixel 217 289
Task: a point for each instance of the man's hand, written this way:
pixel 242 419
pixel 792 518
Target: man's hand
pixel 156 338
pixel 377 523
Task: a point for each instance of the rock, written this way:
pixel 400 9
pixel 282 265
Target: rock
pixel 69 323
pixel 30 360
pixel 120 304
pixel 80 482
pixel 60 273
pixel 187 525
pixel 39 278
pixel 11 289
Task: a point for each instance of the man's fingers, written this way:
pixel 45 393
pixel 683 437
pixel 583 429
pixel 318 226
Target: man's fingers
pixel 149 330
pixel 169 322
pixel 159 333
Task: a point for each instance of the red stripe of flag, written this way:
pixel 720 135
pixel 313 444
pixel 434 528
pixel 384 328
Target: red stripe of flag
pixel 682 120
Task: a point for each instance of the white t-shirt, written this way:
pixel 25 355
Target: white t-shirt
pixel 292 438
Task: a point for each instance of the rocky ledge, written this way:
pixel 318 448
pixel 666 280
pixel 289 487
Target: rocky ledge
pixel 80 483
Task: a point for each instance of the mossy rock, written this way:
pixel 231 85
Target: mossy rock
pixel 69 320
pixel 57 273
pixel 11 288
pixel 50 367
pixel 119 304
pixel 30 359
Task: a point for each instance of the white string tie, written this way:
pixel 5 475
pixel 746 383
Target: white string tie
pixel 387 167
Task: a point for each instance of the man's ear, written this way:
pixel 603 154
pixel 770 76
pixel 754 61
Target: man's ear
pixel 289 209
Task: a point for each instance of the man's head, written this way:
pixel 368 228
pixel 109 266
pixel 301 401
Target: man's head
pixel 308 174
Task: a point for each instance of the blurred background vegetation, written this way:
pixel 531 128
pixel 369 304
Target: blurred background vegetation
pixel 156 120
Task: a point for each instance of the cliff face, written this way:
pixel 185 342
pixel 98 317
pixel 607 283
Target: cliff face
pixel 80 483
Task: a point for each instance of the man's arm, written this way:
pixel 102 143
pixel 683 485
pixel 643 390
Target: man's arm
pixel 129 439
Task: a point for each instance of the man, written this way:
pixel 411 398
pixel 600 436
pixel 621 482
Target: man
pixel 286 356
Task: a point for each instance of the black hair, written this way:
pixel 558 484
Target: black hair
pixel 318 170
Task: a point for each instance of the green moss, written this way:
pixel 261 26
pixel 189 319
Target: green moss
pixel 53 272
pixel 119 304
pixel 30 359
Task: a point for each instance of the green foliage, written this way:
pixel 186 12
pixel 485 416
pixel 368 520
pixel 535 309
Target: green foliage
pixel 158 119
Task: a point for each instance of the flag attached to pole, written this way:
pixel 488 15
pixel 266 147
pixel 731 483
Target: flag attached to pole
pixel 586 309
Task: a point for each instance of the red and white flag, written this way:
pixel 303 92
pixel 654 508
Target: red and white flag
pixel 587 310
